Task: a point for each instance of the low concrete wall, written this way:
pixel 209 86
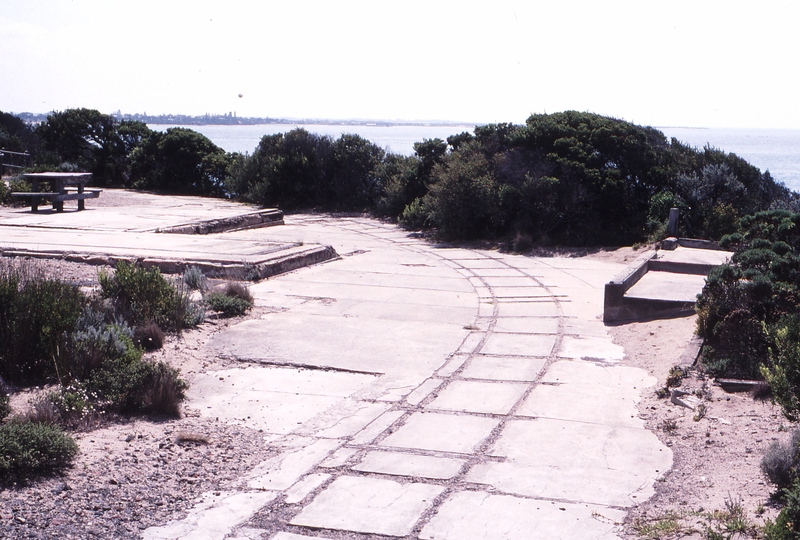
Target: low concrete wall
pixel 614 303
pixel 250 220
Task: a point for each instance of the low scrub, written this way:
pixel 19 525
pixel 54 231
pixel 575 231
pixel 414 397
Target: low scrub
pixel 143 296
pixel 33 447
pixel 149 337
pixel 5 407
pixel 229 306
pixel 194 278
pixel 781 461
pixel 234 300
pixel 37 315
pixel 785 526
pixel 748 312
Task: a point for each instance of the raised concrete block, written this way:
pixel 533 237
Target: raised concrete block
pixel 368 506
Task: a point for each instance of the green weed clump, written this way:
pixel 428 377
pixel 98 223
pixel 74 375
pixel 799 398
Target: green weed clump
pixel 149 337
pixel 229 306
pixel 33 447
pixel 194 278
pixel 235 300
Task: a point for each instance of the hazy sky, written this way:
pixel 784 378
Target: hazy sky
pixel 664 63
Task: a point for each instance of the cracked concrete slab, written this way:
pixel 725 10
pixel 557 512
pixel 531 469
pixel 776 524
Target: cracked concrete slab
pixel 503 368
pixel 519 344
pixel 478 397
pixel 459 434
pixel 411 465
pixel 368 506
pixel 213 517
pixel 476 515
pixel 353 350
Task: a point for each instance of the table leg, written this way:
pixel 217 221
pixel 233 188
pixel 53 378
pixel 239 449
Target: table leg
pixel 80 201
pixel 59 188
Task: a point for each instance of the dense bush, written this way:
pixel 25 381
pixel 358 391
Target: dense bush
pixel 781 461
pixel 5 407
pixel 37 314
pixel 31 447
pixel 579 178
pixel 787 524
pixel 179 161
pixel 748 311
pixel 143 296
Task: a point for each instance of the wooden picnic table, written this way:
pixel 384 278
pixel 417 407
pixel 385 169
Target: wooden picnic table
pixel 64 186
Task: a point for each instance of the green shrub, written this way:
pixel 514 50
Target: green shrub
pixel 149 337
pixel 748 311
pixel 787 524
pixel 93 341
pixel 414 216
pixel 238 290
pixel 5 407
pixel 194 278
pixel 37 315
pixel 229 306
pixel 781 461
pixel 163 391
pixel 67 406
pixel 31 447
pixel 142 296
pixel 128 384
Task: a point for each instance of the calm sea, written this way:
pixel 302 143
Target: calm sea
pixel 776 150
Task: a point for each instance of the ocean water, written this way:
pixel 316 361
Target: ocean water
pixel 776 150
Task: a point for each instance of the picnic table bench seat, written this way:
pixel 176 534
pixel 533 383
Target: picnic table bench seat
pixel 66 187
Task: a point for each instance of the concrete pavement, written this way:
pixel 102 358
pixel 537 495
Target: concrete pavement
pixel 419 392
pixel 432 393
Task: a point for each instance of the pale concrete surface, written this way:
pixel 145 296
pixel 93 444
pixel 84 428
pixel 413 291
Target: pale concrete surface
pixel 423 392
pixel 668 286
pixel 695 256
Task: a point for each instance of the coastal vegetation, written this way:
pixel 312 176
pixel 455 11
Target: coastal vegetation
pixel 87 349
pixel 568 178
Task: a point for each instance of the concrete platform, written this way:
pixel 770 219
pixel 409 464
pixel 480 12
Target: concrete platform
pixel 124 226
pixel 661 284
pixel 407 390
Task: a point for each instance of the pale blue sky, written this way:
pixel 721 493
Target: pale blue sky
pixel 678 63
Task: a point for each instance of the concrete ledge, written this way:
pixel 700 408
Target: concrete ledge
pixel 250 220
pixel 680 267
pixel 646 309
pixel 694 243
pixel 269 265
pixel 616 288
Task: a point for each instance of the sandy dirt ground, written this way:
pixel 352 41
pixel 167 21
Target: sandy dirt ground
pixel 134 473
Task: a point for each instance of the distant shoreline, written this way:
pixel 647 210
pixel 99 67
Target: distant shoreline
pixel 230 119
